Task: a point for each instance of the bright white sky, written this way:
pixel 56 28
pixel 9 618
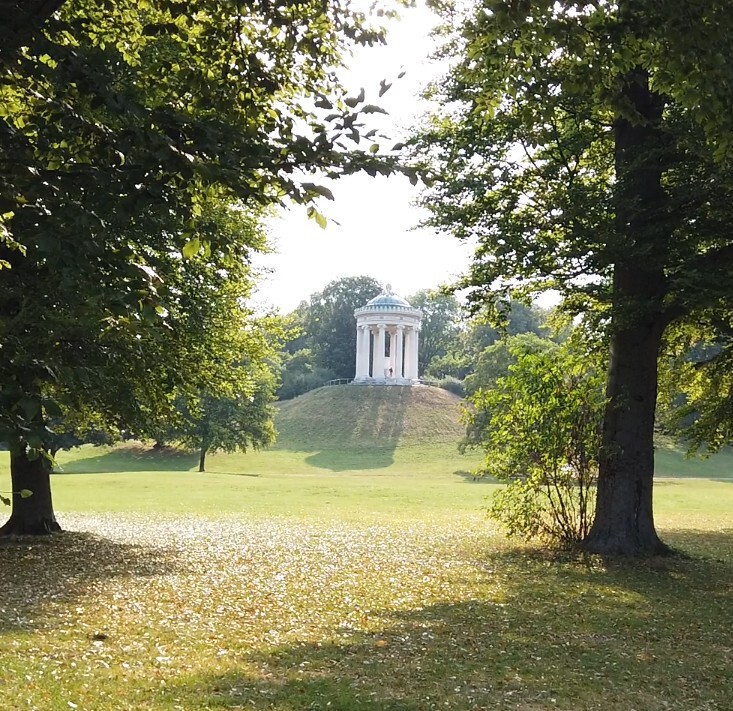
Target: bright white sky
pixel 376 235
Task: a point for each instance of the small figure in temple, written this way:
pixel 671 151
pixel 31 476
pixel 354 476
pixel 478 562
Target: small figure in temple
pixel 390 372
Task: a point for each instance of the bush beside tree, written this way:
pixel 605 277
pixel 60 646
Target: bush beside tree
pixel 540 429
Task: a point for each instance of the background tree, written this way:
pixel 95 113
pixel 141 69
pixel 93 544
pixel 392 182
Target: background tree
pixel 223 403
pixel 583 152
pixel 495 361
pixel 697 385
pixel 298 340
pixel 439 328
pixel 492 367
pixel 65 437
pixel 230 423
pixel 119 131
pixel 330 325
pixel 299 374
pixel 476 335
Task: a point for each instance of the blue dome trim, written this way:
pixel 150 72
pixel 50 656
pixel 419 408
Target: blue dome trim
pixel 388 301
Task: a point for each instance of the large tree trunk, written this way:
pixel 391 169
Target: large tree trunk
pixel 624 521
pixel 202 457
pixel 31 516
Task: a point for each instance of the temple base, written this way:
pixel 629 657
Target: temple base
pixel 385 381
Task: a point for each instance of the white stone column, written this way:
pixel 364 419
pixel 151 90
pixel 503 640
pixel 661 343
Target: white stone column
pixel 411 353
pixel 415 352
pixel 362 351
pixel 375 351
pixel 398 345
pixel 368 347
pixel 357 365
pixel 390 361
pixel 408 347
pixel 367 350
pixel 378 372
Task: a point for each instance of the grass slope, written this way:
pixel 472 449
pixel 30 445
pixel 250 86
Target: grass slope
pixel 369 428
pixel 369 417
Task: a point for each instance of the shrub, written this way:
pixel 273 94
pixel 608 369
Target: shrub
pixel 452 385
pixel 294 384
pixel 540 429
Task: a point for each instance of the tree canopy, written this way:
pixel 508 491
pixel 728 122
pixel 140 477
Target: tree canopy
pixel 579 144
pixel 139 144
pixel 235 421
pixel 330 325
pixel 439 328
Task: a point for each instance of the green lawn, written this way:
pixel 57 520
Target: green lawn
pixel 418 481
pixel 298 580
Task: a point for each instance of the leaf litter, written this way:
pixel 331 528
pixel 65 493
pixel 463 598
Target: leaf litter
pixel 132 613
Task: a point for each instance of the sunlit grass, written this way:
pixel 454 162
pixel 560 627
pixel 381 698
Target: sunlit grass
pixel 184 612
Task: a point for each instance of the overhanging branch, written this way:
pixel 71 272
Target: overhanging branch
pixel 20 18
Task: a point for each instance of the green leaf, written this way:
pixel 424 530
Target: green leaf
pixel 30 406
pixel 321 221
pixel 352 101
pixel 319 190
pixel 52 408
pixel 373 109
pixel 191 248
pixel 25 493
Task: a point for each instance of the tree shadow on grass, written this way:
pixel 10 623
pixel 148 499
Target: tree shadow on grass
pixel 543 631
pixel 40 575
pixel 131 459
pixel 473 478
pixel 703 546
pixel 341 460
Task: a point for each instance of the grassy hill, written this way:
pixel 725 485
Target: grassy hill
pixel 354 452
pixel 370 427
pixel 360 428
pixel 368 417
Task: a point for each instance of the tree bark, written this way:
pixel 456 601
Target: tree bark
pixel 624 521
pixel 32 516
pixel 202 457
